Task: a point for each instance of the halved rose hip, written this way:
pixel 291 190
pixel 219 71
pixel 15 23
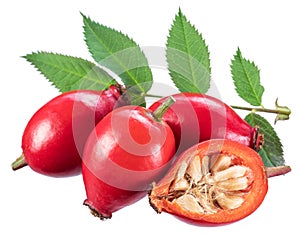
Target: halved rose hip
pixel 216 182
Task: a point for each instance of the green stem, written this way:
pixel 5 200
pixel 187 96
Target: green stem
pixel 153 95
pixel 258 109
pixel 160 111
pixel 19 163
pixel 283 112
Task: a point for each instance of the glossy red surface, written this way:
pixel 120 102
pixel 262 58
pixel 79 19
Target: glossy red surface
pixel 54 138
pixel 126 152
pixel 197 117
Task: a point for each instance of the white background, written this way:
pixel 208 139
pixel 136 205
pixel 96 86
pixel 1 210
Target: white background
pixel 266 32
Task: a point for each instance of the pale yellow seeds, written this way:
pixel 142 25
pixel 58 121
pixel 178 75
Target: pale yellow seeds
pixel 180 182
pixel 236 184
pixel 205 165
pixel 229 201
pixel 230 173
pixel 189 203
pixel 179 185
pixel 221 163
pixel 210 184
pixel 194 169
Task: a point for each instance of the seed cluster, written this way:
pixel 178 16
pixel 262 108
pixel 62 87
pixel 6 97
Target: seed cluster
pixel 208 184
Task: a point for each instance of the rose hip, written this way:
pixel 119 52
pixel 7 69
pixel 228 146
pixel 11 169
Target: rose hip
pixel 128 149
pixel 214 182
pixel 54 138
pixel 197 117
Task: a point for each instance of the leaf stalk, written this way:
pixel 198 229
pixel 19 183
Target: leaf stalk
pixel 153 96
pixel 283 112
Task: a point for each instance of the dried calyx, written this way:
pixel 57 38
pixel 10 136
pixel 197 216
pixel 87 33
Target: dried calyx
pixel 211 183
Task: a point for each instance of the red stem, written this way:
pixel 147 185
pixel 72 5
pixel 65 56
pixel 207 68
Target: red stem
pixel 277 170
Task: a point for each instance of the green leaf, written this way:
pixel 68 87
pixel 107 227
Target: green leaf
pixel 117 52
pixel 246 79
pixel 70 73
pixel 271 152
pixel 188 57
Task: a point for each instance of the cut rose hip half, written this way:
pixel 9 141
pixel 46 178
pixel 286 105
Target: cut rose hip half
pixel 217 182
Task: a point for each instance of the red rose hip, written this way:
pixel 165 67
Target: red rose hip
pixel 128 149
pixel 54 138
pixel 214 182
pixel 198 117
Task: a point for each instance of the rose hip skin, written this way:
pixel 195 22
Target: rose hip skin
pixel 212 183
pixel 128 150
pixel 197 117
pixel 54 138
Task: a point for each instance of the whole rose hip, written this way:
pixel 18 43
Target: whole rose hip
pixel 54 137
pixel 198 117
pixel 128 149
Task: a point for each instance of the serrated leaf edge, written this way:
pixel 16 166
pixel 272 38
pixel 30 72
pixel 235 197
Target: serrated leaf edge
pixel 27 58
pixel 86 19
pixel 182 17
pixel 262 150
pixel 239 56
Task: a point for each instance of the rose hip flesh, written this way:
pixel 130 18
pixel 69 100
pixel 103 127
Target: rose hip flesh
pixel 214 182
